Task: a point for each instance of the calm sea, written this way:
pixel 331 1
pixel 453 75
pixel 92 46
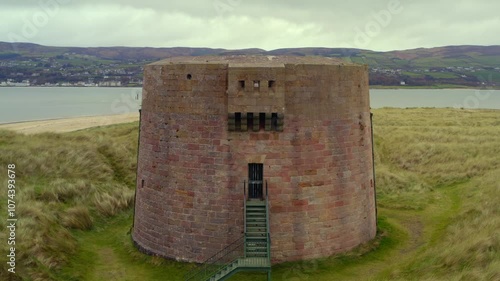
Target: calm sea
pixel 30 103
pixel 23 104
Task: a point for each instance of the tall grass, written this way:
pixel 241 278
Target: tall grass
pixel 419 149
pixel 422 150
pixel 65 182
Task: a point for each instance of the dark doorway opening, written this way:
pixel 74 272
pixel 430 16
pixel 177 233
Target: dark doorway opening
pixel 255 180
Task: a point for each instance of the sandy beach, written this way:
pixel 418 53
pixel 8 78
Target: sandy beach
pixel 69 124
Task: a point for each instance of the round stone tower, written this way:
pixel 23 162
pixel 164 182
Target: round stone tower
pixel 214 128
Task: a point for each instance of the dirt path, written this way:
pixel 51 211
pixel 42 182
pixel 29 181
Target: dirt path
pixel 411 229
pixel 417 229
pixel 69 124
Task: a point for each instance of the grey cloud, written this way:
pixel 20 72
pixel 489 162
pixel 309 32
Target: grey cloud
pixel 263 24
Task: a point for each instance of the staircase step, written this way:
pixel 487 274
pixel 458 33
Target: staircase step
pixel 256 221
pixel 254 262
pixel 256 211
pixel 256 203
pixel 260 245
pixel 256 225
pixel 256 248
pixel 256 228
pixel 256 243
pixel 257 239
pixel 253 218
pixel 260 255
pixel 256 235
pixel 262 221
pixel 262 251
pixel 256 215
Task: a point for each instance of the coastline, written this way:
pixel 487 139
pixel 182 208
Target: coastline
pixel 63 125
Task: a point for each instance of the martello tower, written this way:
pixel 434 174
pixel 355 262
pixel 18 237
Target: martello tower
pixel 215 131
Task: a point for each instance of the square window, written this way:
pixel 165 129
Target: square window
pixel 271 84
pixel 256 84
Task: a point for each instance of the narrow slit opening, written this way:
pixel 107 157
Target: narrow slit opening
pixel 250 121
pixel 274 121
pixel 237 121
pixel 262 121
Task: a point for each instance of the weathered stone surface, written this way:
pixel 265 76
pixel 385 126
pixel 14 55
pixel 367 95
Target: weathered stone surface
pixel 191 167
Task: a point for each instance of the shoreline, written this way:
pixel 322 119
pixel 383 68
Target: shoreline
pixel 62 125
pixel 62 118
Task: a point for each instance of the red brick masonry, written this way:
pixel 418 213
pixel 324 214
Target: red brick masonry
pixel 191 168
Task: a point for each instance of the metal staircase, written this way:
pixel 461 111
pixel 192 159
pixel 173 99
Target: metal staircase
pixel 251 252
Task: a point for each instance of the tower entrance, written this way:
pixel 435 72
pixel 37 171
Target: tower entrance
pixel 255 180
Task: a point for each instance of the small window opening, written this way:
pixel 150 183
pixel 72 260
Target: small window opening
pixel 189 76
pixel 271 84
pixel 274 122
pixel 142 183
pixel 256 84
pixel 262 121
pixel 237 121
pixel 241 84
pixel 250 121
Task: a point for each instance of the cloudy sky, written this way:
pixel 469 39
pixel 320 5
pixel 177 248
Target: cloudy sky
pixel 266 24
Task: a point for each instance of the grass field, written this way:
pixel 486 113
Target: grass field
pixel 438 188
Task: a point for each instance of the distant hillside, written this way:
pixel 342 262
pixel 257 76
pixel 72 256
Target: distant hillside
pixel 472 66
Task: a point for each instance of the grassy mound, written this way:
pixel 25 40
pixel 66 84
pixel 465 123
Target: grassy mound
pixel 64 182
pixel 428 156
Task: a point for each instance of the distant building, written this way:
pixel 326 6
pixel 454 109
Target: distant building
pixel 110 84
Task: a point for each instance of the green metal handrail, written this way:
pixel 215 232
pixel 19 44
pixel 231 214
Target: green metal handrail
pixel 216 262
pixel 245 217
pixel 267 226
pixel 233 251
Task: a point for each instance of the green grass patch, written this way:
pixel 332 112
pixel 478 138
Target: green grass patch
pixel 107 253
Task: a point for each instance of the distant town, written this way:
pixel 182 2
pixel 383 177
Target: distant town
pixel 69 70
pixel 31 65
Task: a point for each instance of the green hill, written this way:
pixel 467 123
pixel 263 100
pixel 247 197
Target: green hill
pixel 459 66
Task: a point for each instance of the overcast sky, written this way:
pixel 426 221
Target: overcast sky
pixel 266 24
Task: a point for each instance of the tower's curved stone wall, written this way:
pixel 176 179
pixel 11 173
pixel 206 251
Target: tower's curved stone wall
pixel 191 167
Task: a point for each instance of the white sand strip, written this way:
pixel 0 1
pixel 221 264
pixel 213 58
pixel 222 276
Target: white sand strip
pixel 69 124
